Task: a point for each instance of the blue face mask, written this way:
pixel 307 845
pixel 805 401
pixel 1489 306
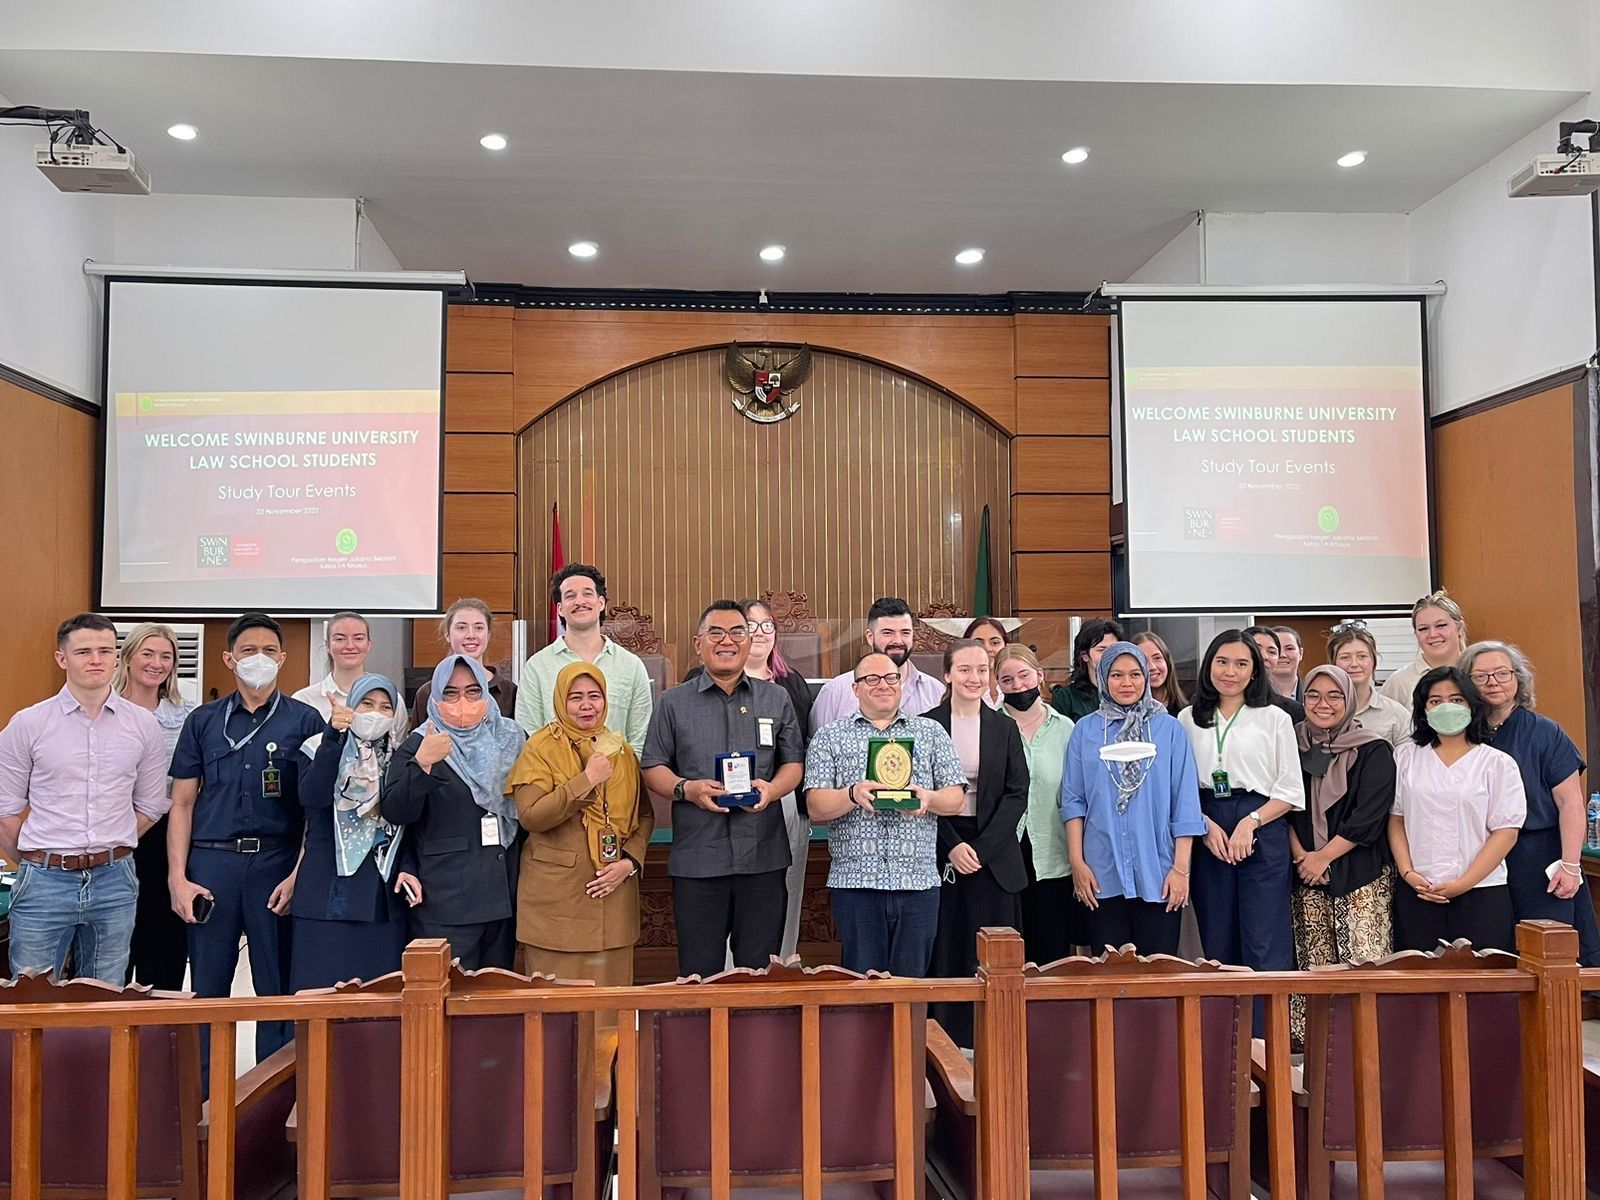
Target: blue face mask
pixel 1449 718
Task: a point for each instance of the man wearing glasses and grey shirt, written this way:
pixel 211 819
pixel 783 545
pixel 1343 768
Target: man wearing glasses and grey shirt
pixel 726 748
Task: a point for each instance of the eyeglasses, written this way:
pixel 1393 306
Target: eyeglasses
pixel 763 626
pixel 470 692
pixel 1503 675
pixel 1348 626
pixel 892 678
pixel 717 633
pixel 1324 700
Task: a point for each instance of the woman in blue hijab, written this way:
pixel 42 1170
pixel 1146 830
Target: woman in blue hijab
pixel 355 878
pixel 447 786
pixel 1131 804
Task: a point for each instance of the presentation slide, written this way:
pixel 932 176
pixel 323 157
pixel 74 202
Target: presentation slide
pixel 1275 455
pixel 272 447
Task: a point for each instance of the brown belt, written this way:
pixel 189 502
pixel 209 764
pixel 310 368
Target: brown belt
pixel 74 862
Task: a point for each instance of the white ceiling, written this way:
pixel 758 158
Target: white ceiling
pixel 680 176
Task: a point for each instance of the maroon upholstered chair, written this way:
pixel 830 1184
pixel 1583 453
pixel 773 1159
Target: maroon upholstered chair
pixel 486 1090
pixel 764 1055
pixel 1060 1109
pixel 74 1080
pixel 1410 1084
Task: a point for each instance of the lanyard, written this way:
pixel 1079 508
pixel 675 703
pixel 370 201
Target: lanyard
pixel 1222 730
pixel 245 741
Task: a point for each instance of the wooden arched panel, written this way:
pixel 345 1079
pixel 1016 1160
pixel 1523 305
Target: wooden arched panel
pixel 877 485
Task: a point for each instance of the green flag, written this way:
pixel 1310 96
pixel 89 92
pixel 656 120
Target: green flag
pixel 980 583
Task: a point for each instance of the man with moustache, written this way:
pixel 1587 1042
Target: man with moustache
pixel 578 591
pixel 890 630
pixel 88 768
pixel 234 833
pixel 728 863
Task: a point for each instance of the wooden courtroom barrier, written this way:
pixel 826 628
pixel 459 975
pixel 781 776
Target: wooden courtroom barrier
pixel 1544 976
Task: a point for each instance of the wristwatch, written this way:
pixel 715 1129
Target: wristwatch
pixel 1255 815
pixel 677 790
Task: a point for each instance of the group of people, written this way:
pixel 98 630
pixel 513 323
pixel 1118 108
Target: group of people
pixel 1306 818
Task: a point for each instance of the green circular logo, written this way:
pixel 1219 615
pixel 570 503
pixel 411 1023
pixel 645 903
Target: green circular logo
pixel 146 403
pixel 1328 518
pixel 346 541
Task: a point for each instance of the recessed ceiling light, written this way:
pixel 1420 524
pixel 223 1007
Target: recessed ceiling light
pixel 1075 156
pixel 772 253
pixel 583 249
pixel 184 133
pixel 1354 159
pixel 493 141
pixel 967 257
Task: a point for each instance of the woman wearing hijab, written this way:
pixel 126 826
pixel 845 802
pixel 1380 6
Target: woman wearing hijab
pixel 1131 803
pixel 1343 897
pixel 355 881
pixel 446 784
pixel 579 794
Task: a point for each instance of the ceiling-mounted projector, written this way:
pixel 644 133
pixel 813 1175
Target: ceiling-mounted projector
pixel 1575 174
pixel 85 167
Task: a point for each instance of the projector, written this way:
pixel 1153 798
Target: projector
pixel 1574 174
pixel 85 167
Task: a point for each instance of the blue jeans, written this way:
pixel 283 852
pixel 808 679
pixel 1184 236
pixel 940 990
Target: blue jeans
pixel 886 931
pixel 88 912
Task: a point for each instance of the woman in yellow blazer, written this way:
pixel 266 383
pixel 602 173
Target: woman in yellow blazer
pixel 580 796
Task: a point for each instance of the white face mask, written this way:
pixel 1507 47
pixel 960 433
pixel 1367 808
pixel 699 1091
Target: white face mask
pixel 371 725
pixel 1127 752
pixel 257 671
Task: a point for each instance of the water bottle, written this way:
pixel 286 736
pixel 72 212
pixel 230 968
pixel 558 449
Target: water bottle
pixel 1591 836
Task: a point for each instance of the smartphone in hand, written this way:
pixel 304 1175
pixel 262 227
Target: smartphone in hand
pixel 202 908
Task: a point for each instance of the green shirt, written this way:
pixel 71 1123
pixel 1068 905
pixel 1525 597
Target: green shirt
pixel 628 701
pixel 1047 755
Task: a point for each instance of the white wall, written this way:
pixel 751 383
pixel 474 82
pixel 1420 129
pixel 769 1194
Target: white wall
pixel 1278 248
pixel 236 231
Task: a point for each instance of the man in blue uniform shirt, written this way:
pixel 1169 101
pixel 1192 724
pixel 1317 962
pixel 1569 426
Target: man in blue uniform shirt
pixel 233 836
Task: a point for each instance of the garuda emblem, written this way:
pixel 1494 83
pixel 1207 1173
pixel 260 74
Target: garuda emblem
pixel 764 389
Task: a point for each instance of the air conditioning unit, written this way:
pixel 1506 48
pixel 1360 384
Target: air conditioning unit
pixel 191 654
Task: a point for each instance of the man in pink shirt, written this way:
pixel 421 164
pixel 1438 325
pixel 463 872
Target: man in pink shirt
pixel 89 768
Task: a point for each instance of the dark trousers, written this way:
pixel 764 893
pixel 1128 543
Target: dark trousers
pixel 1243 909
pixel 241 884
pixel 741 912
pixel 967 904
pixel 1483 916
pixel 1531 900
pixel 1054 920
pixel 886 931
pixel 1145 925
pixel 478 945
pixel 159 952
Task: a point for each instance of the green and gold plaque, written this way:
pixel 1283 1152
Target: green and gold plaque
pixel 889 764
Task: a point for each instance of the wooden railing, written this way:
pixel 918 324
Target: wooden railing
pixel 1544 975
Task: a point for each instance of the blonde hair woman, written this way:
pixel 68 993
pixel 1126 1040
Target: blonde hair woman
pixel 1441 633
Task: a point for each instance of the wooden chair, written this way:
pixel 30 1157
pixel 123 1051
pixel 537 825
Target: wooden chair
pixel 928 644
pixel 75 1097
pixel 805 642
pixel 1058 1062
pixel 486 1097
pixel 1410 1083
pixel 857 1085
pixel 633 630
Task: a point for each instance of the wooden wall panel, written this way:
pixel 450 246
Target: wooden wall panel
pixel 1075 347
pixel 483 523
pixel 478 403
pixel 1067 582
pixel 876 486
pixel 428 647
pixel 1061 465
pixel 478 338
pixel 1505 538
pixel 1064 406
pixel 492 578
pixel 1061 523
pixel 48 456
pixel 562 351
pixel 480 462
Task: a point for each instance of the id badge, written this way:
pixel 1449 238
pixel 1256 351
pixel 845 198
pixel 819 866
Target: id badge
pixel 764 732
pixel 610 845
pixel 271 783
pixel 489 831
pixel 1219 784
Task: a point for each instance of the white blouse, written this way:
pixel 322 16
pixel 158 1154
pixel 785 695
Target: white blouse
pixel 1259 752
pixel 1451 811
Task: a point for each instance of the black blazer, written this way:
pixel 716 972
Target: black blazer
pixel 1002 797
pixel 319 891
pixel 464 882
pixel 1361 815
